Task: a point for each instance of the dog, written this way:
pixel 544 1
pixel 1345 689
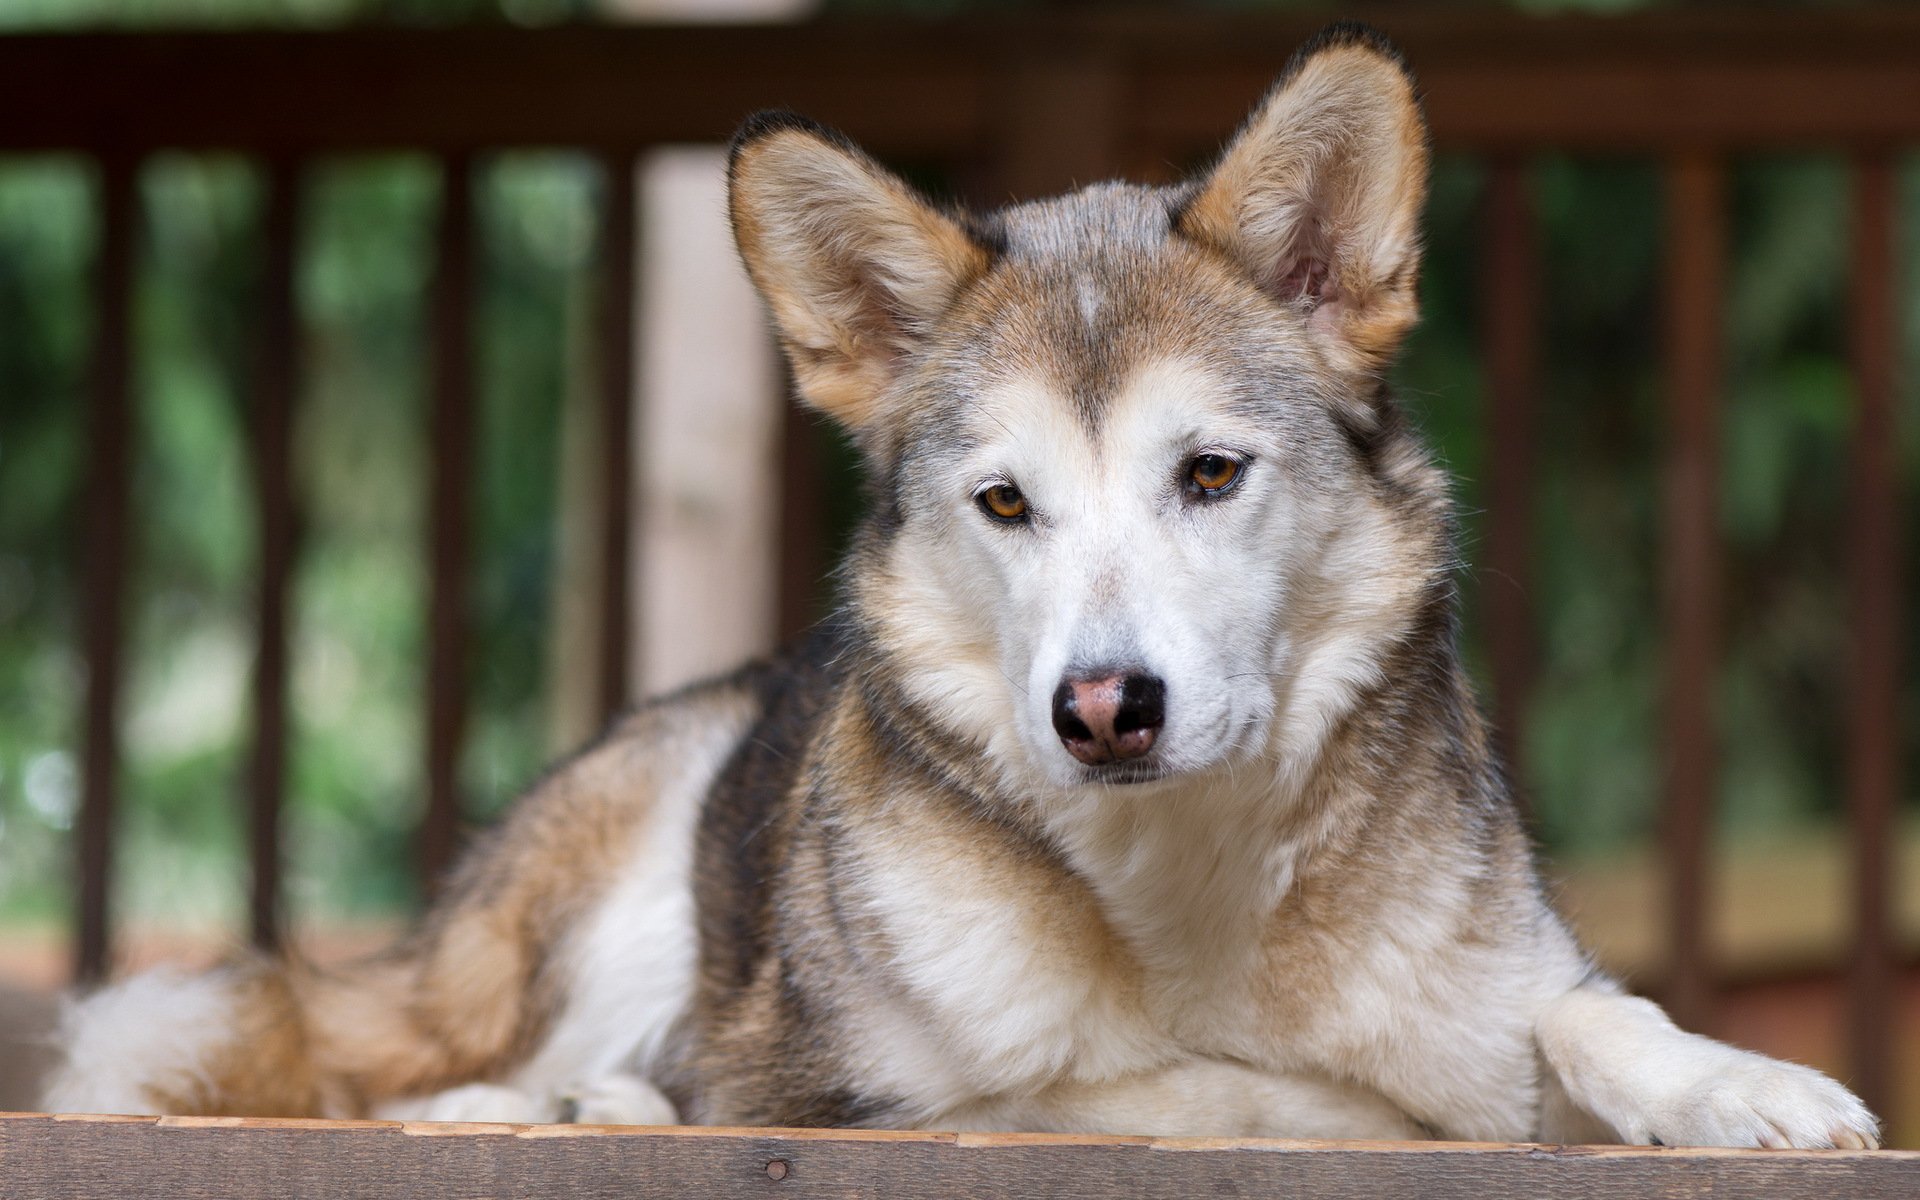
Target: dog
pixel 1134 787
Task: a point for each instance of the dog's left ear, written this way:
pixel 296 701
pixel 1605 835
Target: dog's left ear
pixel 853 263
pixel 1319 195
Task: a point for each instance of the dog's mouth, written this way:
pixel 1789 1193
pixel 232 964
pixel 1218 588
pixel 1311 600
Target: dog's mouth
pixel 1125 773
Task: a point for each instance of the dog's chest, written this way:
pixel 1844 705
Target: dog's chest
pixel 1002 974
pixel 999 978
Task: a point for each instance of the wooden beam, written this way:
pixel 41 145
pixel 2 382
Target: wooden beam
pixel 227 1156
pixel 101 1158
pixel 1648 81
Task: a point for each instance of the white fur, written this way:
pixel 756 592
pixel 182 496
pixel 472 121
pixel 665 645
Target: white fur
pixel 1198 1099
pixel 154 1030
pixel 628 972
pixel 608 1100
pixel 473 1102
pixel 1622 1060
pixel 631 966
pixel 1006 1009
pixel 620 1100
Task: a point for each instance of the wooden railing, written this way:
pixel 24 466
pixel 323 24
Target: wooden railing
pixel 1017 107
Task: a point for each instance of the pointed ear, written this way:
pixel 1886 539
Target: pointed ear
pixel 1319 195
pixel 852 262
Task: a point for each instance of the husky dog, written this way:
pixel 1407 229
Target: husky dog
pixel 1136 786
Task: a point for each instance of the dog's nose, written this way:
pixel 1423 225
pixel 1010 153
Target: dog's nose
pixel 1107 716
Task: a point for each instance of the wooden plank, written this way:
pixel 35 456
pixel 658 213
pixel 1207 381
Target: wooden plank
pixel 109 470
pixel 451 448
pixel 1873 551
pixel 1647 81
pixel 1695 274
pixel 1510 323
pixel 98 1158
pixel 617 398
pixel 276 383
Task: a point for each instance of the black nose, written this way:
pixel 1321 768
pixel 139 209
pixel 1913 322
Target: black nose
pixel 1104 716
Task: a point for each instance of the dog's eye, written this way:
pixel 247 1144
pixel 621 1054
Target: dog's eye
pixel 1003 502
pixel 1212 474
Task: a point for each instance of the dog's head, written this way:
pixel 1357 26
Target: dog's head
pixel 1142 505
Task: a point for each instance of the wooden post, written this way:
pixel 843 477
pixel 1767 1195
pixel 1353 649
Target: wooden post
pixel 448 514
pixel 1873 553
pixel 1510 325
pixel 1695 257
pixel 274 393
pixel 617 333
pixel 803 551
pixel 109 469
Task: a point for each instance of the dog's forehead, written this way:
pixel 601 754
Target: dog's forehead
pixel 1091 289
pixel 1092 222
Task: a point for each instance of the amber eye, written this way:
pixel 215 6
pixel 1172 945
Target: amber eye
pixel 1003 502
pixel 1212 474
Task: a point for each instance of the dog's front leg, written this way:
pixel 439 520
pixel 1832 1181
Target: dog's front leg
pixel 1196 1099
pixel 1620 1059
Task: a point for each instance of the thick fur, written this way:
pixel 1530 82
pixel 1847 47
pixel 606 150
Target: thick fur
pixel 865 884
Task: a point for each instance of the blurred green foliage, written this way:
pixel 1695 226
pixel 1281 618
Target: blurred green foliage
pixel 359 592
pixel 365 249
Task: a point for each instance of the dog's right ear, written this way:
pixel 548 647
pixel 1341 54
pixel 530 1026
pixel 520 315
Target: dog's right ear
pixel 1318 196
pixel 852 262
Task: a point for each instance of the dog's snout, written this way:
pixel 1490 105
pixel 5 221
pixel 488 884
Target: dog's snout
pixel 1108 716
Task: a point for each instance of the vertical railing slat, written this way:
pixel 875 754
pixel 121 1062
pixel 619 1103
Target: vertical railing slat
pixel 275 386
pixel 1511 329
pixel 616 349
pixel 803 549
pixel 451 446
pixel 1695 271
pixel 1873 746
pixel 109 470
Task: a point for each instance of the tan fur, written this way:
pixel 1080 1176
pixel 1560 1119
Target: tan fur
pixel 467 996
pixel 842 341
pixel 1333 165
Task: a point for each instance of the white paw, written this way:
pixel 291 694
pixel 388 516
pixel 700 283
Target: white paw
pixel 475 1102
pixel 617 1100
pixel 1750 1100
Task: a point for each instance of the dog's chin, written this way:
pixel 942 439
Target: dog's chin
pixel 1153 772
pixel 1166 767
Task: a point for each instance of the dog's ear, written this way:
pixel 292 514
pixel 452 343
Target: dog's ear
pixel 852 262
pixel 1319 195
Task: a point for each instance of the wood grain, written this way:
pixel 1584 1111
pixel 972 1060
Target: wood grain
pixel 57 1157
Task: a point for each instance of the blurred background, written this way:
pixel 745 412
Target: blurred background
pixel 381 405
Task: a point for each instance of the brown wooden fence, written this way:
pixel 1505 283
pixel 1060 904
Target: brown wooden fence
pixel 1021 107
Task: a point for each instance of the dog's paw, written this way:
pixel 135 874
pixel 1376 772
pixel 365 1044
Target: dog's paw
pixel 617 1100
pixel 479 1102
pixel 1752 1101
